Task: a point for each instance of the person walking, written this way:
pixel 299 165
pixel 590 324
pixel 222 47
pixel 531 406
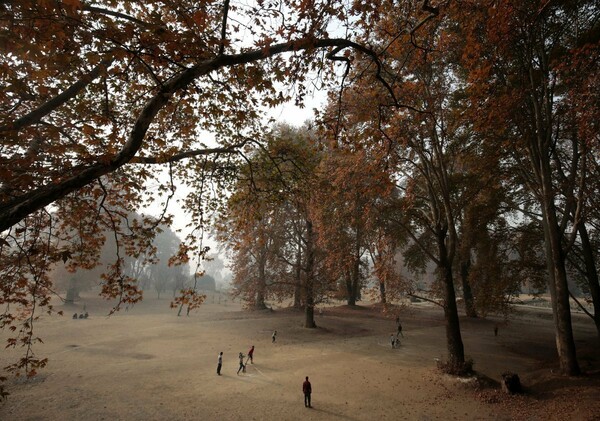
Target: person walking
pixel 242 366
pixel 220 363
pixel 393 341
pixel 307 390
pixel 274 336
pixel 399 326
pixel 250 355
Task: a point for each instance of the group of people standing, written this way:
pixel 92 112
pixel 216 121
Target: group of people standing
pixel 306 386
pixel 241 357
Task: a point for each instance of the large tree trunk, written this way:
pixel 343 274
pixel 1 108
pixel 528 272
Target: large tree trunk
pixel 309 311
pixel 382 294
pixel 591 274
pixel 259 303
pixel 467 291
pixel 454 343
pixel 559 290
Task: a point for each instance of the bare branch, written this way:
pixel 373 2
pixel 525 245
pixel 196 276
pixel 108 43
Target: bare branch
pixel 119 15
pixel 224 27
pixel 234 149
pixel 585 310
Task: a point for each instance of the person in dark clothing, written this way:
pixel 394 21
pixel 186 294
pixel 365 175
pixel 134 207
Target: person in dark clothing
pixel 242 366
pixel 220 363
pixel 399 326
pixel 250 355
pixel 307 389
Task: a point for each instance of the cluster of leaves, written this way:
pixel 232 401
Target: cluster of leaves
pixel 189 298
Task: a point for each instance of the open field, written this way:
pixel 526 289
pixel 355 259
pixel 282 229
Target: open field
pixel 149 364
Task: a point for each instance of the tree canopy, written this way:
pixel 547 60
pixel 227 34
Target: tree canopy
pixel 96 95
pixel 461 135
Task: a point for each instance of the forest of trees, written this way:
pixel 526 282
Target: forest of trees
pixel 152 272
pixel 486 169
pixel 461 136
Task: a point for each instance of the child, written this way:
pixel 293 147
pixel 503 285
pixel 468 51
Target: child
pixel 242 366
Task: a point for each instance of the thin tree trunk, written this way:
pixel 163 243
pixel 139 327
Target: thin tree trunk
pixel 298 278
pixel 382 294
pixel 351 300
pixel 467 291
pixel 591 274
pixel 259 304
pixel 353 277
pixel 309 311
pixel 559 290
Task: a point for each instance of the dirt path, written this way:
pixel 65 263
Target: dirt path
pixel 148 364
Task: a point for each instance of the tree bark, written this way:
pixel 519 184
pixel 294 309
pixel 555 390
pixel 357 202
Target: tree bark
pixel 591 274
pixel 353 277
pixel 309 311
pixel 382 294
pixel 456 352
pixel 298 278
pixel 559 290
pixel 467 291
pixel 351 300
pixel 259 303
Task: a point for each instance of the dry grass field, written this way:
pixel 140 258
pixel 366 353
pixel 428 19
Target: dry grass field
pixel 149 364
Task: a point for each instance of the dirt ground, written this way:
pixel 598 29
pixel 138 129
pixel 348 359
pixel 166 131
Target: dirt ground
pixel 148 364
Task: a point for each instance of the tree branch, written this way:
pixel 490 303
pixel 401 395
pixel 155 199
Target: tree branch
pixel 585 310
pixel 224 27
pixel 36 115
pixel 112 13
pixel 187 154
pixel 16 209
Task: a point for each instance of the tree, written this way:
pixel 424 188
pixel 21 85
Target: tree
pixel 207 282
pixel 270 226
pixel 351 185
pixel 161 271
pixel 523 91
pixel 421 138
pixel 215 267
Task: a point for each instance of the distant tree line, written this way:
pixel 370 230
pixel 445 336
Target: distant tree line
pixel 152 272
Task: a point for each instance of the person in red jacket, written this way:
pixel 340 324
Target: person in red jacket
pixel 307 389
pixel 250 355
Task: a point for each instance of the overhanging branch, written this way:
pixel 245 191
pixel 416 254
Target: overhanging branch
pixel 15 209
